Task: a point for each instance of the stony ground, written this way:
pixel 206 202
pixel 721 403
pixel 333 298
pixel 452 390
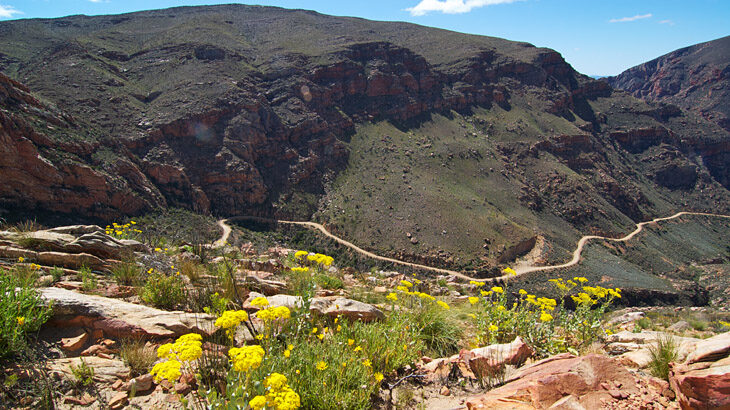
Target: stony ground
pixel 94 317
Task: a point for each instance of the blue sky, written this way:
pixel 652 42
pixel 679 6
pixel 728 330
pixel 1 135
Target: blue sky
pixel 598 37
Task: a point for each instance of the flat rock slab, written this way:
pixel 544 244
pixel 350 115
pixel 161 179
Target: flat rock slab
pixel 332 306
pixel 116 318
pixel 588 379
pixel 106 371
pixel 711 349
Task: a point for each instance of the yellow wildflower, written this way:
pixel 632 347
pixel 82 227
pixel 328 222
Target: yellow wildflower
pixel 350 342
pixel 378 377
pixel 246 357
pixel 358 349
pixel 473 300
pixel 230 319
pixel 406 283
pixel 21 320
pixel 169 370
pixel 509 271
pixel 21 259
pixel 392 297
pixel 497 289
pixel 257 403
pixel 546 317
pixel 443 304
pixel 366 363
pixel 493 328
pixel 260 302
pixel 321 365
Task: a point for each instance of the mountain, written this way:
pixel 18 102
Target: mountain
pixel 420 143
pixel 696 78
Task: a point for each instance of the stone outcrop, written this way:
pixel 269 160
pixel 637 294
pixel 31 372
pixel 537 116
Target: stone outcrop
pixel 116 318
pixel 582 382
pixel 703 385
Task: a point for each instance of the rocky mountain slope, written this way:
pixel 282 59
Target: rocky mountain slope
pixel 696 78
pixel 461 156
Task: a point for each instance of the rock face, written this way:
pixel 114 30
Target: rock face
pixel 581 381
pixel 702 386
pixel 117 318
pixel 696 78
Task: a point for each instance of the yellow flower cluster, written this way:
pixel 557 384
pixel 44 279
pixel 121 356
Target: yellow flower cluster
pixel 260 302
pixel 443 304
pixel 509 271
pixel 323 260
pixel 230 319
pixel 278 393
pixel 186 348
pixel 300 254
pixel 300 269
pixel 21 320
pixel 477 284
pixel 246 358
pixel 169 370
pixel 274 313
pixel 406 283
pixel 473 300
pixel 598 292
pixel 392 297
pixel 121 231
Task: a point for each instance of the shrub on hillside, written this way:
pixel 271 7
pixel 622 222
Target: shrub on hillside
pixel 163 291
pixel 21 312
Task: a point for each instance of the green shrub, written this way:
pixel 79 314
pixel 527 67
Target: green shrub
pixel 83 374
pixel 163 291
pixel 328 282
pixel 21 312
pixel 663 352
pixel 88 280
pixel 644 323
pixel 127 273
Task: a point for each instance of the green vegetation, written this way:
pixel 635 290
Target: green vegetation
pixel 663 352
pixel 163 291
pixel 21 312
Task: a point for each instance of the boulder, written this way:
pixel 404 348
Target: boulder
pixel 702 386
pixel 72 344
pixel 478 363
pixel 117 318
pixel 626 318
pixel 589 379
pixel 711 349
pixel 66 260
pixel 636 346
pixel 335 306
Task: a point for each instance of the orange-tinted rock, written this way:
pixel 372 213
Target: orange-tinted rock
pixel 542 384
pixel 702 386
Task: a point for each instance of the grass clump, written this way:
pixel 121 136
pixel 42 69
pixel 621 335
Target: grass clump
pixel 137 356
pixel 21 312
pixel 127 273
pixel 664 351
pixel 163 291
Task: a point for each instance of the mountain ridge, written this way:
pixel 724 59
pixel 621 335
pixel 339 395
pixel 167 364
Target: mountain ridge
pixel 255 110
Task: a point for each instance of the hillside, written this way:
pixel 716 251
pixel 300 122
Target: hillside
pixel 696 78
pixel 456 156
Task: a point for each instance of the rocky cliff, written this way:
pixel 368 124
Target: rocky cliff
pixel 696 78
pixel 258 110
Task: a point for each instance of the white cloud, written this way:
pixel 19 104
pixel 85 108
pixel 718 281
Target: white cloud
pixel 99 1
pixel 452 6
pixel 8 11
pixel 634 18
pixel 670 22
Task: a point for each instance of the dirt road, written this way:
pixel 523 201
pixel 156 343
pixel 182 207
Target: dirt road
pixel 223 223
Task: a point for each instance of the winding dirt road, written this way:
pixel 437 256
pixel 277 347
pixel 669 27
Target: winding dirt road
pixel 223 223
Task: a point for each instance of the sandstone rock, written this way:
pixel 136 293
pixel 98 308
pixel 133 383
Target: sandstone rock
pixel 183 388
pixel 67 260
pixel 292 302
pixel 266 286
pixel 140 383
pixel 85 400
pixel 118 401
pixel 121 319
pixel 73 344
pixel 106 371
pixel 702 385
pixel 639 358
pixel 627 317
pixel 546 382
pixel 679 327
pixel 335 306
pixel 568 402
pixel 712 349
pixel 444 391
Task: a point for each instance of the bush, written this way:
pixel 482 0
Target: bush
pixel 21 312
pixel 88 280
pixel 328 282
pixel 663 352
pixel 163 291
pixel 329 364
pixel 438 329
